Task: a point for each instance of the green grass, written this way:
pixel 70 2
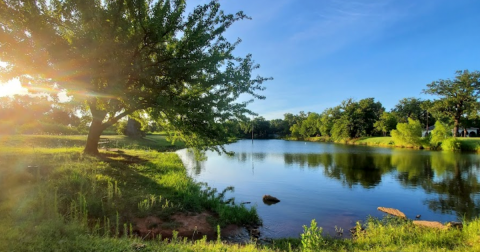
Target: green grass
pixel 72 143
pixel 63 194
pixel 375 141
pixel 469 143
pixel 387 234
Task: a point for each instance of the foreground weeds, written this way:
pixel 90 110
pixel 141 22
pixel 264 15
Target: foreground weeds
pixel 389 234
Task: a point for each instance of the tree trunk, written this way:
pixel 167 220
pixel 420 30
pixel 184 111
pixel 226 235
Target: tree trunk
pixel 96 129
pixel 455 127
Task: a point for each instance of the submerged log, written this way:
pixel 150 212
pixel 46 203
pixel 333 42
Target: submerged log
pixel 392 211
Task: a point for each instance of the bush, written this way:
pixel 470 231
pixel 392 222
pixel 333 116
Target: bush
pixel 408 134
pixel 439 134
pixel 452 144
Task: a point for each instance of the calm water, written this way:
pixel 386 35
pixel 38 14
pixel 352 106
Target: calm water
pixel 340 184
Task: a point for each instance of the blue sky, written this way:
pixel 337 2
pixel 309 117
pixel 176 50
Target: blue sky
pixel 321 52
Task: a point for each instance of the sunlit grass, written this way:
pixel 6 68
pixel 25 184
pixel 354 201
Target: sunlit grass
pixel 376 141
pixel 57 197
pixel 70 143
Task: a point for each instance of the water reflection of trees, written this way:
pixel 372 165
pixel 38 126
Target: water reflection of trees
pixel 451 178
pixel 350 168
pixel 457 185
pixel 243 157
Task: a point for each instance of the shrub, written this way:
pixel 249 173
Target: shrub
pixel 452 144
pixel 439 134
pixel 408 134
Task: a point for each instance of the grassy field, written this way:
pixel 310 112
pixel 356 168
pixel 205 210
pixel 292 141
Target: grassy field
pixel 53 198
pixel 54 143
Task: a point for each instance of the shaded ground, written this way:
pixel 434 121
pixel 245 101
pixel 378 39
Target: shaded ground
pixel 190 225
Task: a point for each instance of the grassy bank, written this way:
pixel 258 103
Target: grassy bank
pixel 466 143
pixel 53 198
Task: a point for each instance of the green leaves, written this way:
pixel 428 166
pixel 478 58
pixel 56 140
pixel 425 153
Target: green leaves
pixel 117 57
pixel 458 98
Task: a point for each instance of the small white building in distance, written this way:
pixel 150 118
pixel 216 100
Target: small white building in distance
pixel 471 132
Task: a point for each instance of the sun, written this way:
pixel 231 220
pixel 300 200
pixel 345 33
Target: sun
pixel 12 87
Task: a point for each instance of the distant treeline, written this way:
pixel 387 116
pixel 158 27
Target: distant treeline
pixel 456 107
pixel 350 119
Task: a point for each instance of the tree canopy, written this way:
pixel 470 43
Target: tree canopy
pixel 115 58
pixel 458 98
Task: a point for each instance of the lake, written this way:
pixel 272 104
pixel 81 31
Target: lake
pixel 338 185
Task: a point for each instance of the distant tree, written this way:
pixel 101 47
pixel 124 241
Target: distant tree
pixel 295 130
pixel 297 120
pixel 327 120
pixel 341 129
pixel 309 126
pixel 408 133
pixel 279 127
pixel 428 118
pixel 261 127
pixel 361 116
pixel 386 123
pixel 21 109
pixel 62 115
pixel 369 112
pixel 458 98
pixel 290 119
pixel 119 57
pixel 409 108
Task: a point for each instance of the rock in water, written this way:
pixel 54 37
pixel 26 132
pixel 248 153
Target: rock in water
pixel 429 224
pixel 268 199
pixel 392 211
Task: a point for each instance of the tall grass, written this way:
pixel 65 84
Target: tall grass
pixel 58 197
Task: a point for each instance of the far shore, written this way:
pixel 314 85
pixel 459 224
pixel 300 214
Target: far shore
pixel 468 144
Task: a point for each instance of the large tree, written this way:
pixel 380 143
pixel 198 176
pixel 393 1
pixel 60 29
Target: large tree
pixel 414 108
pixel 117 57
pixel 386 123
pixel 408 108
pixel 458 98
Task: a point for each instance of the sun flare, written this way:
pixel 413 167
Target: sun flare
pixel 12 87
